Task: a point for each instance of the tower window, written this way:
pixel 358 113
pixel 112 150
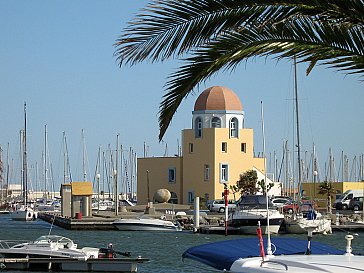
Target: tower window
pixel 172 175
pixel 198 127
pixel 207 172
pixel 190 197
pixel 224 173
pixel 234 127
pixel 216 122
pixel 243 147
pixel 224 147
pixel 190 148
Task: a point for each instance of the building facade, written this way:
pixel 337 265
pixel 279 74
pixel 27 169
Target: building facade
pixel 215 151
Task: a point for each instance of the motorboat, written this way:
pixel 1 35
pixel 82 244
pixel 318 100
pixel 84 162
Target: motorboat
pixel 24 213
pixel 103 205
pixel 251 210
pixel 58 253
pixel 44 247
pixel 146 224
pixel 289 255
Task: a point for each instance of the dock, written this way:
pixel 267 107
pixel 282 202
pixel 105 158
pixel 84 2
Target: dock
pixel 104 220
pixel 68 264
pixel 86 223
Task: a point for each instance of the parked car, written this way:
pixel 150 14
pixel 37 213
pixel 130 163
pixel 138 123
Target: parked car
pixel 219 205
pixel 280 201
pixel 356 203
pixel 303 206
pixel 342 202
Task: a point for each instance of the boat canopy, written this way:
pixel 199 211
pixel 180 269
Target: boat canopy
pixel 221 255
pixel 53 239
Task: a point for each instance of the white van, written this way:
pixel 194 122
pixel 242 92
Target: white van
pixel 342 202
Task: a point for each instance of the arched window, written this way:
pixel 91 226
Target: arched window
pixel 174 198
pixel 234 127
pixel 198 127
pixel 216 122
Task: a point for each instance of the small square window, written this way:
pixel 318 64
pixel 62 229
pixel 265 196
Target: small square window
pixel 243 147
pixel 190 148
pixel 224 147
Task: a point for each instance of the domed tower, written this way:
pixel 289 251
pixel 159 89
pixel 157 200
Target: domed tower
pixel 218 107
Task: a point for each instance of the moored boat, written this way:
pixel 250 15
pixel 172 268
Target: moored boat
pixel 289 255
pixel 297 224
pixel 59 253
pixel 250 210
pixel 24 213
pixel 146 224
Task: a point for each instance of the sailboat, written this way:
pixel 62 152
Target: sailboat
pixel 314 222
pixel 25 212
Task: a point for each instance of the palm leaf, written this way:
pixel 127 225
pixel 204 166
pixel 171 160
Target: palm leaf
pixel 167 28
pixel 222 33
pixel 308 41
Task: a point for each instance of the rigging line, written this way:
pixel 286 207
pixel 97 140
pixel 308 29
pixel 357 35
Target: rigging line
pixel 281 167
pixel 50 229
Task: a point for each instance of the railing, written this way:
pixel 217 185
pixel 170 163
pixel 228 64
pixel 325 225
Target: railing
pixel 6 244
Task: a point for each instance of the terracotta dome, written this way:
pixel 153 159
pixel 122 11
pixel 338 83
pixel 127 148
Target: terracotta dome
pixel 218 98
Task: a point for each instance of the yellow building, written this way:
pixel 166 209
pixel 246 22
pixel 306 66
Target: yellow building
pixel 214 152
pixel 311 191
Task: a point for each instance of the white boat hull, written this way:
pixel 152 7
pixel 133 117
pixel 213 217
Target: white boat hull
pixel 300 264
pixel 247 220
pixel 145 225
pixel 24 214
pixel 301 226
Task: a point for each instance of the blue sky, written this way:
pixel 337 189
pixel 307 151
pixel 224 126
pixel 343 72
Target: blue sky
pixel 57 56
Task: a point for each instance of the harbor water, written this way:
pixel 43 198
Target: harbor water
pixel 164 249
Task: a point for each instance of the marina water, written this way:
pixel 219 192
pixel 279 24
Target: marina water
pixel 164 249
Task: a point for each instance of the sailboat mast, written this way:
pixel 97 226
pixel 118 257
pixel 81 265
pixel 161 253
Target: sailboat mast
pixel 116 194
pixel 25 176
pixel 7 170
pixel 84 157
pixel 297 129
pixel 45 162
pixel 1 175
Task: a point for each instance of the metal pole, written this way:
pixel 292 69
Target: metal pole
pixel 269 243
pixel 116 194
pixel 148 187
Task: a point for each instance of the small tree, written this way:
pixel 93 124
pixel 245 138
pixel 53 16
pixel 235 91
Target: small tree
pixel 261 184
pixel 327 188
pixel 234 189
pixel 247 184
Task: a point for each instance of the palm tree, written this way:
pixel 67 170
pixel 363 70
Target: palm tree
pixel 214 35
pixel 327 188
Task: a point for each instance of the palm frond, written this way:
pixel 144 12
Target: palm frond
pixel 307 40
pixel 167 27
pixel 222 33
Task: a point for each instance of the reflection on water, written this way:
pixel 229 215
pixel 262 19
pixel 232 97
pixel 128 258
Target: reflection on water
pixel 164 249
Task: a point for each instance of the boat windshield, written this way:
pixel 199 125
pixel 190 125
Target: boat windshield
pixel 53 239
pixel 254 202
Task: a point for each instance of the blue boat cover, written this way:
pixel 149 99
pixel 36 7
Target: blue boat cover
pixel 221 255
